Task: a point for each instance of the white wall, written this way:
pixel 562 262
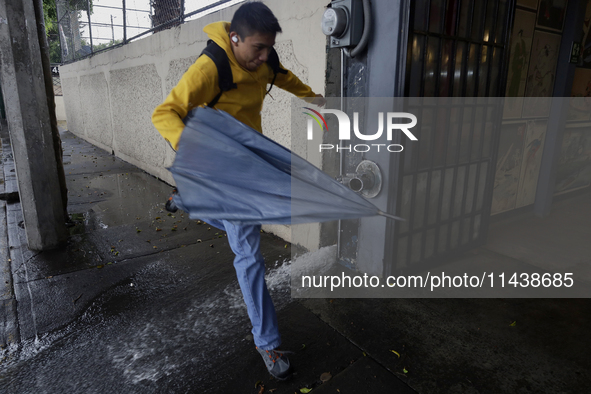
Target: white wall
pixel 109 98
pixel 60 109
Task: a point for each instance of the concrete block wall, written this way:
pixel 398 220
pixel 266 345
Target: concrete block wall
pixel 109 98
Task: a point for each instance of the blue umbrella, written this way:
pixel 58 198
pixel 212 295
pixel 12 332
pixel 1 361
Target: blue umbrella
pixel 226 170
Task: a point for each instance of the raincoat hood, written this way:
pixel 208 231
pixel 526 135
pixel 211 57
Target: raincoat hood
pixel 219 32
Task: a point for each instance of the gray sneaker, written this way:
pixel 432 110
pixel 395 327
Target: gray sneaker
pixel 277 363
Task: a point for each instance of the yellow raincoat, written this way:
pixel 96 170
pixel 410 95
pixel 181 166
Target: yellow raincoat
pixel 199 86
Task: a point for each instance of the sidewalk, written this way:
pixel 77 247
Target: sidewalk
pixel 141 301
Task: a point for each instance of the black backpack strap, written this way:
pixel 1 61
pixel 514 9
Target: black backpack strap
pixel 225 78
pixel 273 62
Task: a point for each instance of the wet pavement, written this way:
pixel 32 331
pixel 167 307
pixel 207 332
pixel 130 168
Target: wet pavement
pixel 140 301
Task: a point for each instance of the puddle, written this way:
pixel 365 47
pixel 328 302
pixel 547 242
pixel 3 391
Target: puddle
pixel 120 198
pixel 140 333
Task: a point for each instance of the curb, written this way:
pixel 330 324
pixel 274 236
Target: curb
pixel 9 328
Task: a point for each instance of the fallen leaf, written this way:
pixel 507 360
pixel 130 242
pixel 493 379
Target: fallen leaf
pixel 305 390
pixel 258 383
pixel 404 370
pixel 325 377
pixel 513 324
pixel 303 346
pixel 396 353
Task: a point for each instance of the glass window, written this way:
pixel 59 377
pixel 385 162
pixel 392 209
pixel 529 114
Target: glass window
pixel 479 121
pixel 431 66
pixel 442 238
pixel 459 192
pixel 471 192
pixel 445 76
pixel 451 17
pixel 501 18
pixel 434 196
pixel 489 22
pixel 420 10
pixel 426 138
pixel 477 18
pixel 467 130
pixel 416 69
pixel 493 90
pixel 436 16
pixel 420 200
pixel 452 140
pixel 459 74
pixel 483 71
pixel 471 70
pixel 465 13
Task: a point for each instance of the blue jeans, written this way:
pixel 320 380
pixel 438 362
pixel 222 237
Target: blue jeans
pixel 250 269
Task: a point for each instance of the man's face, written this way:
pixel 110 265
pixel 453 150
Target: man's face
pixel 252 51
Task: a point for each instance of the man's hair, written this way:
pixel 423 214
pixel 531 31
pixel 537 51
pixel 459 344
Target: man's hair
pixel 254 17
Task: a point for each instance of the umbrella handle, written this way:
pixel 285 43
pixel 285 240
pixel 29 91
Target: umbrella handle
pixel 391 216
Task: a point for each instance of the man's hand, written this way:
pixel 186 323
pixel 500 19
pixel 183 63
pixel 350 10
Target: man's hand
pixel 319 100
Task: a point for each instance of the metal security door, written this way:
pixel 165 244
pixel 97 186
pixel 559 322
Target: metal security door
pixel 456 49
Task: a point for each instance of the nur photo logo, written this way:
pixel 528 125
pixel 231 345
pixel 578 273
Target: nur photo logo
pixel 390 121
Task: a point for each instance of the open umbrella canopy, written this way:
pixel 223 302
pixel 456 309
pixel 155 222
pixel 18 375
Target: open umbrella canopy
pixel 226 170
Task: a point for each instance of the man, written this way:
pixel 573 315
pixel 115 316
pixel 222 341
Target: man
pixel 248 42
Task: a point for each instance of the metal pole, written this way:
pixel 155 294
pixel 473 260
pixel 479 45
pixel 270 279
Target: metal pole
pixel 112 31
pixel 341 158
pixel 124 24
pixel 89 25
pixel 59 35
